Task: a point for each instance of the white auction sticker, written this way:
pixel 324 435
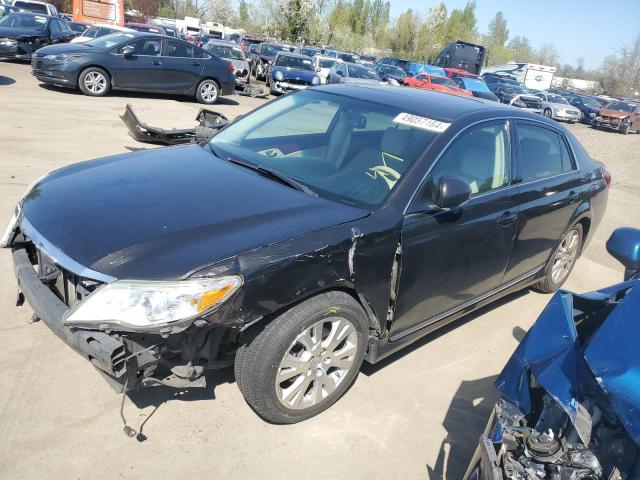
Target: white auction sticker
pixel 421 122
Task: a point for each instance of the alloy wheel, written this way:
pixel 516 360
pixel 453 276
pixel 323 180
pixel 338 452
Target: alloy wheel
pixel 95 82
pixel 316 362
pixel 209 91
pixel 565 256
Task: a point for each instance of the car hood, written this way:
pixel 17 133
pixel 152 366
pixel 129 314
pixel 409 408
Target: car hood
pixel 166 212
pixel 613 113
pixel 295 74
pixel 562 106
pixel 581 349
pixel 16 33
pixel 66 48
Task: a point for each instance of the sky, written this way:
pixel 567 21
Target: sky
pixel 591 29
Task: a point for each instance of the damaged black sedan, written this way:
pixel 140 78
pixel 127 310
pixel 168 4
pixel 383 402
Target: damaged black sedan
pixel 334 225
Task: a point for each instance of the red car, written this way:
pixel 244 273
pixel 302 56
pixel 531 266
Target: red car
pixel 437 83
pixel 457 72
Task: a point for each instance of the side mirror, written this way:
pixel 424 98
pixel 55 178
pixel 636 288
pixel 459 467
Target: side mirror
pixel 452 192
pixel 127 52
pixel 624 246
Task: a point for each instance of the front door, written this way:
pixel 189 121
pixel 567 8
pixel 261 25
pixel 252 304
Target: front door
pixel 142 69
pixel 450 258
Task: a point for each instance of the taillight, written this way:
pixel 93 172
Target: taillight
pixel 607 177
pixel 229 68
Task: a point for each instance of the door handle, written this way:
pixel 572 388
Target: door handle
pixel 573 195
pixel 195 64
pixel 507 219
pixel 156 62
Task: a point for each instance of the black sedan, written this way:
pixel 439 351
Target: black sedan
pixel 137 62
pixel 21 34
pixel 334 225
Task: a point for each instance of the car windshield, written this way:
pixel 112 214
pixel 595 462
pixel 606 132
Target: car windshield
pixel 358 71
pixel 225 51
pixel 475 85
pixel 32 7
pixel 348 57
pixel 514 89
pixel 309 52
pixel 621 107
pixel 296 63
pixel 17 20
pixel 397 71
pixel 271 50
pixel 327 62
pixel 443 81
pixel 111 40
pixel 557 99
pixel 344 149
pixel 590 102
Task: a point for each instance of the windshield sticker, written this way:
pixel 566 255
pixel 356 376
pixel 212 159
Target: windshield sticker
pixel 421 122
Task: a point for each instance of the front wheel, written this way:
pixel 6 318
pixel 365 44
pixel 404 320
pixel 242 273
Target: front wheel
pixel 304 360
pixel 208 92
pixel 547 112
pixel 94 82
pixel 562 261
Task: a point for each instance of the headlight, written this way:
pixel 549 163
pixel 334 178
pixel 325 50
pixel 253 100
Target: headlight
pixel 7 42
pixel 63 57
pixel 279 76
pixel 315 80
pixel 8 233
pixel 520 103
pixel 151 305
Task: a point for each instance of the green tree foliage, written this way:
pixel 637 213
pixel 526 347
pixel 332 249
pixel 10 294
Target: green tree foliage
pixel 243 14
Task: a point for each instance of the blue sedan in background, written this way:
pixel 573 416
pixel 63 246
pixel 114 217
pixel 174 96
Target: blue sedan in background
pixel 477 87
pixel 570 406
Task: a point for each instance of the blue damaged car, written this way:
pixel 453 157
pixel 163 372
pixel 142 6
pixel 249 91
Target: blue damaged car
pixel 570 406
pixel 290 72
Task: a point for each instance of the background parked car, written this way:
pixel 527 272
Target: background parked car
pixel 308 51
pixel 202 38
pixel 78 27
pixel 619 115
pixel 516 96
pixel 557 107
pixel 354 73
pixel 231 52
pixel 100 30
pixel 588 106
pixel 37 7
pixel 289 72
pixel 322 65
pixel 397 62
pixel 263 57
pixel 137 62
pixel 23 33
pixel 245 42
pixel 147 28
pixel 477 87
pixel 344 56
pixel 436 83
pixel 391 74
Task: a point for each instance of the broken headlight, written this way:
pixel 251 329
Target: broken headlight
pixel 140 305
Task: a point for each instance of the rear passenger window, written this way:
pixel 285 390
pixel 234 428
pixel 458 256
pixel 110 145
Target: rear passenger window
pixel 542 153
pixel 179 49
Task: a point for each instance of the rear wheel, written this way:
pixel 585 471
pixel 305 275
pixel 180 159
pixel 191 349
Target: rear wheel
pixel 547 112
pixel 94 82
pixel 562 261
pixel 208 92
pixel 304 360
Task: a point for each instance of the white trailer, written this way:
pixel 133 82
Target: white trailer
pixel 531 75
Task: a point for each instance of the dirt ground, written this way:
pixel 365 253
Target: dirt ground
pixel 416 415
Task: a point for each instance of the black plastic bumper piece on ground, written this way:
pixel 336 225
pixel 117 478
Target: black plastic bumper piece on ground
pixel 103 351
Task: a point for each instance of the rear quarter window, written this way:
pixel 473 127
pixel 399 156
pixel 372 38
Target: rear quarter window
pixel 543 153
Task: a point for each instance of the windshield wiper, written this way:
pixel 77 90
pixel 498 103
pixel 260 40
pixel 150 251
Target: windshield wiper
pixel 267 172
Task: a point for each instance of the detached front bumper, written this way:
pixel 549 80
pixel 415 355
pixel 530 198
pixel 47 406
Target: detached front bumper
pixel 106 353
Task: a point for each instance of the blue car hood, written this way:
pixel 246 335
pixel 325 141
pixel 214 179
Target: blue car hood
pixel 295 74
pixel 580 360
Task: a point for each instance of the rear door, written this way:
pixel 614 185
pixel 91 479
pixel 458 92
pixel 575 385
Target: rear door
pixel 549 193
pixel 451 258
pixel 180 71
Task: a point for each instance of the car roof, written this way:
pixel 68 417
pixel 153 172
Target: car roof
pixel 431 104
pixel 291 54
pixel 35 2
pixel 33 14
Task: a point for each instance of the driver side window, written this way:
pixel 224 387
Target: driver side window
pixel 481 156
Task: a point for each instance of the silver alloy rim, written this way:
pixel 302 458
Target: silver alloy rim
pixel 95 82
pixel 565 256
pixel 208 91
pixel 316 362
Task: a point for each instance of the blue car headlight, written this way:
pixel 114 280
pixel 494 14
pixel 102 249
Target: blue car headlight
pixel 315 80
pixel 279 76
pixel 63 57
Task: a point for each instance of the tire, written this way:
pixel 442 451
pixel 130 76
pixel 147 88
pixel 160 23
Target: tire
pixel 208 91
pixel 94 82
pixel 563 259
pixel 625 129
pixel 298 346
pixel 547 113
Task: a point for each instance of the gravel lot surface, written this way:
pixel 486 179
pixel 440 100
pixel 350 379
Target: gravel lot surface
pixel 416 415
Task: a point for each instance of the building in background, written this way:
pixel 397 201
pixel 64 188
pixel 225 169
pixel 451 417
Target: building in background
pixel 99 11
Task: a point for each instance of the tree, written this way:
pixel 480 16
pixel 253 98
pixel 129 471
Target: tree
pixel 548 54
pixel 498 31
pixel 404 34
pixel 243 14
pixel 461 24
pixel 521 49
pixel 431 33
pixel 222 11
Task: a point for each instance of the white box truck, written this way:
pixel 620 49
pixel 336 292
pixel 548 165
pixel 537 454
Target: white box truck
pixel 531 75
